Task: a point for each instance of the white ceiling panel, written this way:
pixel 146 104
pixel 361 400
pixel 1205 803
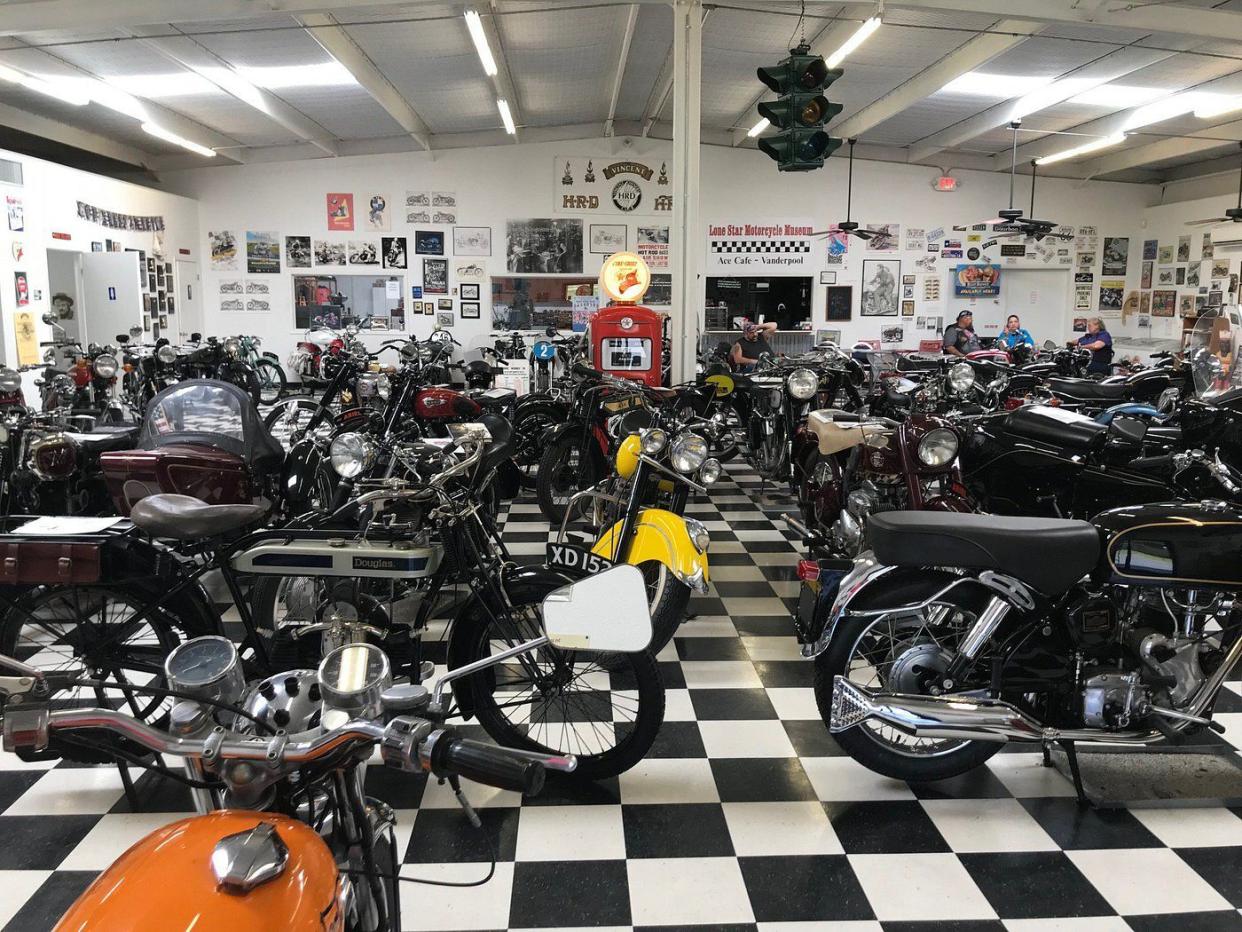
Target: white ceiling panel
pixel 650 48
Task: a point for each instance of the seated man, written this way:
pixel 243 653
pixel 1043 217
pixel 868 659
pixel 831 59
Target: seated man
pixel 960 337
pixel 753 344
pixel 1014 334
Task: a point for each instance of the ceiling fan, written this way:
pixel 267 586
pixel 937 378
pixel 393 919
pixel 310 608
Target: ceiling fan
pixel 848 227
pixel 1011 218
pixel 1232 215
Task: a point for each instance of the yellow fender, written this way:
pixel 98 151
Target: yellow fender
pixel 661 536
pixel 724 384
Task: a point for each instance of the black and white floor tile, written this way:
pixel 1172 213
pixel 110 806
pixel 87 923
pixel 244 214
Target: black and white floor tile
pixel 746 815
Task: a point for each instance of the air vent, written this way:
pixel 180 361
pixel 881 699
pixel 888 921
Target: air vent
pixel 10 172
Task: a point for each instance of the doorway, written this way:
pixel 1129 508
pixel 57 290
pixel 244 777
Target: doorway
pixel 784 299
pixel 64 280
pixel 189 307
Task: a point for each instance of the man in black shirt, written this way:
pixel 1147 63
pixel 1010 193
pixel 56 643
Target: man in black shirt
pixel 752 345
pixel 960 338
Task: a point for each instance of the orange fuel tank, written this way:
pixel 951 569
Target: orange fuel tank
pixel 164 883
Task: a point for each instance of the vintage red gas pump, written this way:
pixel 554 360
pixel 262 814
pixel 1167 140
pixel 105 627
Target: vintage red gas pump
pixel 627 339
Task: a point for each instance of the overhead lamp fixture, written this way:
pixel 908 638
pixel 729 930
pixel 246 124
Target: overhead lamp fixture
pixel 1094 146
pixel 506 116
pixel 858 38
pixel 758 128
pixel 1117 96
pixel 154 129
pixel 60 90
pixel 1218 107
pixel 1050 94
pixel 998 86
pixel 475 24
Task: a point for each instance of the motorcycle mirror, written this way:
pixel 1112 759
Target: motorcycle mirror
pixel 550 332
pixel 135 331
pixel 572 619
pixel 49 319
pixel 195 337
pixel 1050 346
pixel 122 338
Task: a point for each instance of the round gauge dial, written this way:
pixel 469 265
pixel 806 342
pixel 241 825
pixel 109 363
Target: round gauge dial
pixel 353 676
pixel 201 662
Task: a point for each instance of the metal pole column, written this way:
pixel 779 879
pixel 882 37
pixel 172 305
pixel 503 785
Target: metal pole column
pixel 687 234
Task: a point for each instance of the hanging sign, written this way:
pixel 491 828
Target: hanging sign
pixel 976 281
pixel 118 221
pixel 770 249
pixel 625 277
pixel 609 186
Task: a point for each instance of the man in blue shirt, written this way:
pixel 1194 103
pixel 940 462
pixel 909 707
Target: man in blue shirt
pixel 1100 342
pixel 1014 335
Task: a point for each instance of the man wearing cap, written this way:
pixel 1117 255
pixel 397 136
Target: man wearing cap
pixel 753 345
pixel 960 338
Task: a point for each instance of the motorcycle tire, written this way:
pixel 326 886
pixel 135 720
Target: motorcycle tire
pixel 563 470
pixel 669 598
pixel 859 742
pixel 635 674
pixel 272 381
pixel 243 377
pixel 287 416
pixel 530 428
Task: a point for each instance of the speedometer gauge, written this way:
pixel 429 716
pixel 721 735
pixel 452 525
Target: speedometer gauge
pixel 207 667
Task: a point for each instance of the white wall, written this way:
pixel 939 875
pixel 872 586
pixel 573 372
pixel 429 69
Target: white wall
pixel 738 186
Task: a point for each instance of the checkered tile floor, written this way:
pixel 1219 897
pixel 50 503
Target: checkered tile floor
pixel 745 815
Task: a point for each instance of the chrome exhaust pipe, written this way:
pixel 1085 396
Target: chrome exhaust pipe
pixel 963 717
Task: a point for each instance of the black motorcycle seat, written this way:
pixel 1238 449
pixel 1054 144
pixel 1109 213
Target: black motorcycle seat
pixel 1046 424
pixel 1050 554
pixel 1089 390
pixel 183 517
pixel 500 447
pixel 495 398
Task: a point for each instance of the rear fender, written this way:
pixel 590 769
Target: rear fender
pixel 660 536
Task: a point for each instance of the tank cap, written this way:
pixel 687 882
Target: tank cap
pixel 243 861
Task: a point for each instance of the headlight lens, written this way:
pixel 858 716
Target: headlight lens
pixel 961 377
pixel 688 453
pixel 699 535
pixel 352 455
pixel 166 354
pixel 105 365
pixel 232 347
pixel 938 447
pixel 711 471
pixel 10 381
pixel 383 386
pixel 654 440
pixel 802 384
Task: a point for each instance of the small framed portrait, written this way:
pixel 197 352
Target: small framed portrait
pixel 470 310
pixel 429 308
pixel 444 304
pixel 470 292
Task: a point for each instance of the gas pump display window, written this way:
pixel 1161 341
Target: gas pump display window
pixel 627 353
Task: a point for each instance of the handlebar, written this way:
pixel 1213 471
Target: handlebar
pixel 486 763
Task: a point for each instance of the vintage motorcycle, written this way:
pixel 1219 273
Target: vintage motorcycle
pixel 963 632
pixel 221 360
pixel 266 366
pixel 312 359
pixel 284 829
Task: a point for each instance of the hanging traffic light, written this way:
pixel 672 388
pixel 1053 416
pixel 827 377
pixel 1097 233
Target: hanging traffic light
pixel 800 112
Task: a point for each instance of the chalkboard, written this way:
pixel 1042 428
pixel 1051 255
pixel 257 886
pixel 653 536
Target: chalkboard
pixel 840 301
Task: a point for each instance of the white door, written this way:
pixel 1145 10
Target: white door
pixel 189 309
pixel 111 294
pixel 1043 298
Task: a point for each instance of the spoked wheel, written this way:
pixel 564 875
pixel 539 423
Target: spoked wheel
pixel 604 708
pixel 529 433
pixel 768 449
pixel 668 598
pixel 94 631
pixel 902 654
pixel 288 418
pixel 271 380
pixel 563 472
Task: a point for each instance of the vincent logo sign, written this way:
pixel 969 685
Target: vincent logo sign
pixel 600 186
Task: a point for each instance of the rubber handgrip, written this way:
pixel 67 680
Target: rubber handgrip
pixel 486 763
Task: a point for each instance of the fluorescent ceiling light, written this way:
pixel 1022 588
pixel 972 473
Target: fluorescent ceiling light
pixel 66 90
pixel 1117 96
pixel 503 106
pixel 1219 105
pixel 12 75
pixel 757 128
pixel 1050 94
pixel 475 24
pixel 853 42
pixel 235 84
pixel 116 99
pixel 1094 146
pixel 159 86
pixel 160 133
pixel 999 86
pixel 1161 110
pixel 278 77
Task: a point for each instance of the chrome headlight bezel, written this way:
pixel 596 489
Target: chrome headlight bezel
pixel 653 440
pixel 352 454
pixel 10 380
pixel 699 535
pixel 105 365
pixel 166 354
pixel 688 453
pixel 802 384
pixel 232 347
pixel 938 447
pixel 960 377
pixel 711 471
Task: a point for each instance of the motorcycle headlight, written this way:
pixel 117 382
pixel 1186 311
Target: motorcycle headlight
pixel 352 455
pixel 961 377
pixel 63 386
pixel 383 386
pixel 105 365
pixel 802 384
pixel 256 341
pixel 49 356
pixel 688 453
pixel 699 535
pixel 711 471
pixel 10 381
pixel 166 354
pixel 232 347
pixel 654 440
pixel 938 447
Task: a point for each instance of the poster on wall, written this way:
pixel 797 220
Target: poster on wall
pixel 418 207
pixel 1208 249
pixel 839 303
pixel 886 237
pixel 607 185
pixel 435 276
pixel 1145 307
pixel 468 272
pixel 781 249
pixel 879 289
pixel 892 334
pixel 976 281
pixel 298 252
pixel 652 245
pixel 1164 276
pixel 838 243
pixel 907 308
pixel 1085 260
pixel 544 246
pixel 223 245
pixel 378 218
pixel 1220 268
pixel 21 288
pixel 27 338
pixel 1165 255
pixel 1186 305
pixel 1163 303
pixel 931 289
pixel 393 251
pixel 17 214
pixel 1150 248
pixel 329 253
pixel 607 238
pixel 1183 248
pixel 1112 294
pixel 1193 272
pixel 1116 255
pixel 472 241
pixel 340 207
pixel 363 252
pixel 1145 277
pixel 262 252
pixel 660 293
pixel 428 243
pixel 916 239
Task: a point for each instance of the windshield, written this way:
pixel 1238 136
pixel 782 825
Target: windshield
pixel 1210 349
pixel 198 408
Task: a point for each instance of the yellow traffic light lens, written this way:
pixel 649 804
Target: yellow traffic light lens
pixel 811 113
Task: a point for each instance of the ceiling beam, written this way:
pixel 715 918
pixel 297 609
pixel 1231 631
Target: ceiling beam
pixel 1107 68
pixel 1174 147
pixel 1200 22
pixel 503 80
pixel 189 54
pixel 332 37
pixel 37 125
pixel 623 58
pixel 966 57
pixel 663 88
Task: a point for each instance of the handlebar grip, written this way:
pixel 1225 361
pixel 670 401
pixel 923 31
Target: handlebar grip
pixel 486 763
pixel 585 369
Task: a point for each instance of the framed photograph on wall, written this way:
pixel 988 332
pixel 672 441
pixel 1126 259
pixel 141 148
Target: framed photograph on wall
pixel 880 279
pixel 828 278
pixel 607 238
pixel 444 304
pixel 840 302
pixel 472 241
pixel 470 292
pixel 470 310
pixel 435 276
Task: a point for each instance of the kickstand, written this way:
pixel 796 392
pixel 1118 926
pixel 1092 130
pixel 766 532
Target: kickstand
pixel 1071 758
